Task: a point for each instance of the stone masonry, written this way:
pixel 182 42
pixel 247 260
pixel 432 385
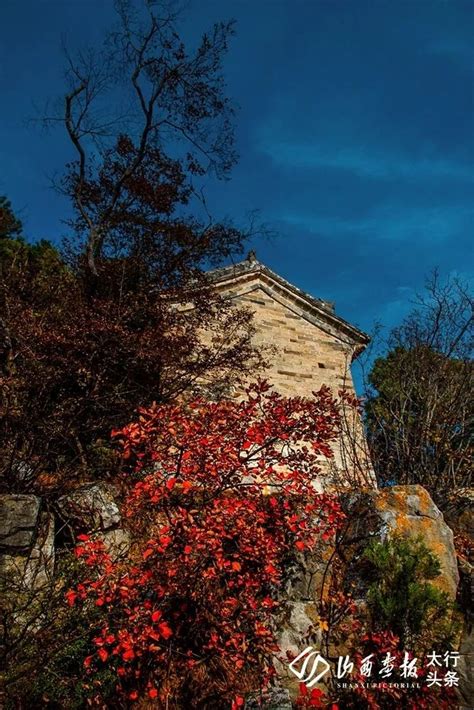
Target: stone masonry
pixel 312 345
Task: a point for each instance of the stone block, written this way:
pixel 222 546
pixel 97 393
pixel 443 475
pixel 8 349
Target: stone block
pixel 18 520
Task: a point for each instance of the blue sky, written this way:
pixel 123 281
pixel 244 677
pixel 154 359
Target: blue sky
pixel 355 133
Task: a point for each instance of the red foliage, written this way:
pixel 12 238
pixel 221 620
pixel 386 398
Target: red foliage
pixel 314 698
pixel 222 493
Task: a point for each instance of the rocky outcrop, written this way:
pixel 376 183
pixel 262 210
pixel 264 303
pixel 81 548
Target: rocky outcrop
pixel 408 511
pixel 27 532
pixel 18 521
pixel 27 553
pixel 371 514
pixel 91 507
pixel 116 542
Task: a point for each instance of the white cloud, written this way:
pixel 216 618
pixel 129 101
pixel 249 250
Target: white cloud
pixel 364 163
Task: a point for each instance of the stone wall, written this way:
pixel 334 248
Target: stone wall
pixel 29 533
pixel 305 352
pixel 305 357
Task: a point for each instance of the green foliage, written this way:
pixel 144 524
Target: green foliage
pixel 10 225
pixel 29 264
pixel 419 405
pixel 401 597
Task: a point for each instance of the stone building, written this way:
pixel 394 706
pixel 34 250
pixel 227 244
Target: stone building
pixel 311 347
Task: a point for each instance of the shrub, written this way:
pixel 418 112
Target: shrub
pixel 220 494
pixel 401 597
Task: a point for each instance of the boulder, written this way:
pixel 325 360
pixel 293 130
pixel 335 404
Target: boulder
pixel 18 521
pixel 404 510
pixel 91 507
pixel 39 569
pixel 30 570
pixel 309 574
pixel 116 542
pixel 297 628
pixel 410 511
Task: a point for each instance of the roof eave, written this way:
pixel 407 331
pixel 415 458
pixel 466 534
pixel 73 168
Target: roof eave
pixel 324 309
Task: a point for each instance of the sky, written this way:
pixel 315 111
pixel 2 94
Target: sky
pixel 355 135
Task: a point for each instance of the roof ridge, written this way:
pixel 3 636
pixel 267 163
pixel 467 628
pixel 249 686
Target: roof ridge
pixel 252 265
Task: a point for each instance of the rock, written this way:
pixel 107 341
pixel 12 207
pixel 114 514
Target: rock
pixel 274 699
pixel 23 472
pixel 410 511
pixel 33 571
pixel 40 566
pixel 116 542
pixel 91 507
pixel 300 620
pixel 298 629
pixel 18 520
pixel 309 574
pixel 407 511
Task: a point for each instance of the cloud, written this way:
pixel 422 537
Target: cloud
pixel 394 222
pixel 364 163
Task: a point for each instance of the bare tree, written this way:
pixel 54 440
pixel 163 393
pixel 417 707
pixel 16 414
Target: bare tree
pixel 147 119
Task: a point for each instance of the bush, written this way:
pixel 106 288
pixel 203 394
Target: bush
pixel 401 597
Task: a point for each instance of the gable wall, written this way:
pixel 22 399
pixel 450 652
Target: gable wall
pixel 305 357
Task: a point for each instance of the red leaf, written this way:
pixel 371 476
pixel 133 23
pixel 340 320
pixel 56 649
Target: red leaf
pixel 165 630
pixel 71 597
